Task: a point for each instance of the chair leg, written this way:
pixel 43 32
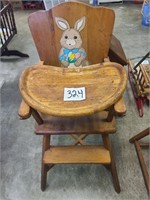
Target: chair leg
pixel 143 165
pixel 113 170
pixel 138 145
pixel 44 170
pixel 140 135
pixel 115 176
pixel 43 176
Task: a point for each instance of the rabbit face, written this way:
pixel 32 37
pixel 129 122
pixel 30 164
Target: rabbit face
pixel 71 36
pixel 71 39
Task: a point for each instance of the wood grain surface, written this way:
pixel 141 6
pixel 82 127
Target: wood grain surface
pixel 77 154
pixel 91 124
pixel 96 35
pixel 42 88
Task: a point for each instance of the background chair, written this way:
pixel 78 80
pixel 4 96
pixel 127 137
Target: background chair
pixel 139 145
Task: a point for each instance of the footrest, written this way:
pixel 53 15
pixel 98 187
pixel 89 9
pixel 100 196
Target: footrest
pixel 77 154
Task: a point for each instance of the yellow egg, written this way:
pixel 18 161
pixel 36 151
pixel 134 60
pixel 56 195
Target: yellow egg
pixel 72 56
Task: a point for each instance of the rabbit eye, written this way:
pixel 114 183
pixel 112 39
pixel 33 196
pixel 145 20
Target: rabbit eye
pixel 66 37
pixel 75 37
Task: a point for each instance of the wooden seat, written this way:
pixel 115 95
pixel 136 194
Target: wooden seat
pixel 82 125
pixel 42 88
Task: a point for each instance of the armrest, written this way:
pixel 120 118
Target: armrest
pixel 24 110
pixel 120 107
pixel 116 52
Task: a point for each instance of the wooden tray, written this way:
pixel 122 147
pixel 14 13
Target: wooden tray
pixel 42 88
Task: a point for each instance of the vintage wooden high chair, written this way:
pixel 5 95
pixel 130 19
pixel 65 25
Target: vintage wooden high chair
pixel 42 87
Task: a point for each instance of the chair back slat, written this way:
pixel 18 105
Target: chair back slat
pixel 96 34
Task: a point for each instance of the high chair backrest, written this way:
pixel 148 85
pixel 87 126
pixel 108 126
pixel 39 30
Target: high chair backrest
pixel 95 35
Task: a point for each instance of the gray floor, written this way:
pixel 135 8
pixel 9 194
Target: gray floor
pixel 21 149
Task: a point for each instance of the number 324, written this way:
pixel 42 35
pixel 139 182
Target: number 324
pixel 75 93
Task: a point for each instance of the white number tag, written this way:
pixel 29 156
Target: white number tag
pixel 74 94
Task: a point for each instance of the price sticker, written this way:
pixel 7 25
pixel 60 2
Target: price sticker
pixel 74 94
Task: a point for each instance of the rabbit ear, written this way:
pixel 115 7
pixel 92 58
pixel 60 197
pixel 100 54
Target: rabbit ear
pixel 62 23
pixel 79 25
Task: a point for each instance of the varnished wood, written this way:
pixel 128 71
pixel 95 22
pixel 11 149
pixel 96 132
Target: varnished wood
pixel 141 79
pixel 93 124
pixel 46 143
pixel 120 107
pixel 79 139
pixel 42 87
pixel 140 135
pixel 116 52
pixel 77 154
pixel 36 116
pixel 139 82
pixel 96 35
pixel 44 167
pixel 138 145
pixel 24 110
pixel 146 74
pixel 144 144
pixel 110 114
pixel 107 145
pixel 143 166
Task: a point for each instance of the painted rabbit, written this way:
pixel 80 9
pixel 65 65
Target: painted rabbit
pixel 71 54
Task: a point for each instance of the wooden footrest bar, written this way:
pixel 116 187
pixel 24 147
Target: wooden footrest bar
pixel 77 154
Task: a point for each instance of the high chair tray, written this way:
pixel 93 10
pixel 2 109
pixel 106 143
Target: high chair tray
pixel 42 88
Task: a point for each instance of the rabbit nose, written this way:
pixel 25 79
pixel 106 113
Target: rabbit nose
pixel 70 42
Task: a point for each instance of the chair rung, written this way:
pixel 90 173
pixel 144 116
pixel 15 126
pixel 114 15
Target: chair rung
pixel 77 154
pixel 94 124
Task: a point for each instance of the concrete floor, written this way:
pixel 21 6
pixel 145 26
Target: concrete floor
pixel 21 149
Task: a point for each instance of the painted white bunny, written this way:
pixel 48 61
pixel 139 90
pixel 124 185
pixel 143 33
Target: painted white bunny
pixel 71 54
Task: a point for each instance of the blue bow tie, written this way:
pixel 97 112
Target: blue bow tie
pixel 67 51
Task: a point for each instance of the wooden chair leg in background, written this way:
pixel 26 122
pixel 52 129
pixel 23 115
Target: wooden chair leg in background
pixel 112 166
pixel 138 146
pixel 140 135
